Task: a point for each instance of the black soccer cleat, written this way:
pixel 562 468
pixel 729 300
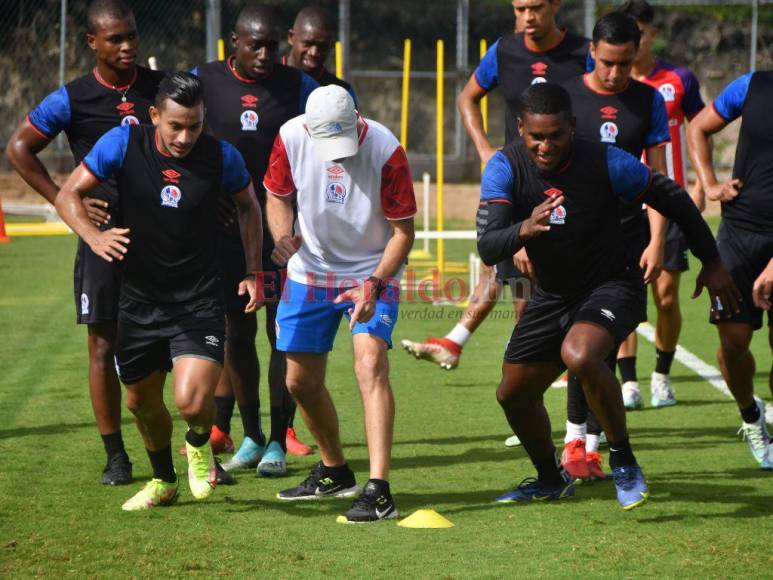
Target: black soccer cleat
pixel 118 470
pixel 223 476
pixel 322 482
pixel 374 504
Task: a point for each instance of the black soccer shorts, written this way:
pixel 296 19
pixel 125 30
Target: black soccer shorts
pixel 96 286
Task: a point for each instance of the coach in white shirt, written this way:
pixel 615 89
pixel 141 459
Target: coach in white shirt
pixel 350 180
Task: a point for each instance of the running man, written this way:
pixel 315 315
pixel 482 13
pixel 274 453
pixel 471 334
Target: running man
pixel 247 98
pixel 745 235
pixel 169 178
pixel 537 51
pixel 559 197
pixel 117 92
pixel 352 185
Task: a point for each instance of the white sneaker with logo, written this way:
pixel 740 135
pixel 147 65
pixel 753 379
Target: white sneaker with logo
pixel 661 391
pixel 632 396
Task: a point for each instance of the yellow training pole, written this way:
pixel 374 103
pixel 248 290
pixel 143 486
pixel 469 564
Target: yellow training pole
pixel 484 100
pixel 220 49
pixel 339 60
pixel 406 93
pixel 439 168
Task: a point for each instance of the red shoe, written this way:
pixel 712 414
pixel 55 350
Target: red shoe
pixel 294 445
pixel 220 442
pixel 441 351
pixel 594 466
pixel 575 461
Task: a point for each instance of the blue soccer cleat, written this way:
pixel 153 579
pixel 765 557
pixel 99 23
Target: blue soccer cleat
pixel 531 489
pixel 632 490
pixel 247 457
pixel 273 463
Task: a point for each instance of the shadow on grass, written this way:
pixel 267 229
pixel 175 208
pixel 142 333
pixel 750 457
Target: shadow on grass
pixel 55 429
pixel 691 378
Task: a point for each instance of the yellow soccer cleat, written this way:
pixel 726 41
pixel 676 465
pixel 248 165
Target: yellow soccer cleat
pixel 155 493
pixel 202 474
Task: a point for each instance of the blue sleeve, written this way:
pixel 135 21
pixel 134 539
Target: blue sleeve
pixel 729 104
pixel 658 132
pixel 52 115
pixel 497 181
pixel 308 84
pixel 195 71
pixel 487 73
pixel 235 175
pixel 629 176
pixel 350 88
pixel 692 102
pixel 106 157
pixel 590 64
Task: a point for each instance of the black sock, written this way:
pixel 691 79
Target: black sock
pixel 197 439
pixel 548 469
pixel 161 461
pixel 381 485
pixel 279 426
pixel 113 443
pixel 621 454
pixel 576 405
pixel 337 470
pixel 751 414
pixel 627 366
pixel 663 361
pixel 291 419
pixel 593 425
pixel 224 410
pixel 251 422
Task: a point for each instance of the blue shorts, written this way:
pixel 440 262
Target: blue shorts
pixel 307 319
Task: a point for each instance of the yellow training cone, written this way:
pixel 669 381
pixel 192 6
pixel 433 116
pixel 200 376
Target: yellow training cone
pixel 425 519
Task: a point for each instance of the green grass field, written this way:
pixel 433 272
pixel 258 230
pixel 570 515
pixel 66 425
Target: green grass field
pixel 710 514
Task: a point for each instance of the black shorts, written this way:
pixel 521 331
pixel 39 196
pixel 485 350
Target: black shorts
pixel 745 255
pixel 675 257
pixel 151 337
pixel 232 268
pixel 635 239
pixel 96 286
pixel 506 270
pixel 617 305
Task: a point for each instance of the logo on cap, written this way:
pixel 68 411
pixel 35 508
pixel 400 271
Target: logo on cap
pixel 249 120
pixel 335 128
pixel 336 192
pixel 609 132
pixel 170 196
pixel 171 176
pixel 608 112
pixel 249 101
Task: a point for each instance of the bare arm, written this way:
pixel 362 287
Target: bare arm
pixel 22 153
pixel 652 257
pixel 468 103
pixel 279 216
pixel 701 128
pixel 251 230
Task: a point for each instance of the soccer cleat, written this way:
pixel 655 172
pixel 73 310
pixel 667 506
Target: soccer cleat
pixel 662 391
pixel 512 441
pixel 769 414
pixel 603 439
pixel 561 382
pixel 756 435
pixel 223 476
pixel 154 493
pixel 632 396
pixel 632 490
pixel 294 445
pixel 532 489
pixel 118 470
pixel 441 351
pixel 273 462
pixel 321 483
pixel 247 457
pixel 373 505
pixel 594 466
pixel 220 441
pixel 574 460
pixel 202 473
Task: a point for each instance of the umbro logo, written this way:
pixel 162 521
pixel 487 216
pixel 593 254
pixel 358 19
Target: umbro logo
pixel 539 69
pixel 212 340
pixel 249 101
pixel 608 314
pixel 335 172
pixel 126 108
pixel 553 191
pixel 171 176
pixel 609 113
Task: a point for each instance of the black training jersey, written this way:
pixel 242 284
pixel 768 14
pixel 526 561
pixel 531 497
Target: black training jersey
pixel 170 205
pixel 87 108
pixel 510 64
pixel 584 245
pixel 750 97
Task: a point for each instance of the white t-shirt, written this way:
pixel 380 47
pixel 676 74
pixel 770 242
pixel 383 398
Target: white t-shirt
pixel 343 208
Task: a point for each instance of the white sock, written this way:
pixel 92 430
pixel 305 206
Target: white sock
pixel 591 443
pixel 575 431
pixel 459 334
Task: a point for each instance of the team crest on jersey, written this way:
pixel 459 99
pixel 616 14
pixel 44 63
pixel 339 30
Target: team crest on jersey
pixel 668 92
pixel 170 196
pixel 538 80
pixel 336 192
pixel 558 215
pixel 170 176
pixel 129 120
pixel 609 132
pixel 335 173
pixel 249 101
pixel 249 120
pixel 608 113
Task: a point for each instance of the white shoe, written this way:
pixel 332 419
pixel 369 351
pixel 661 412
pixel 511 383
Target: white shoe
pixel 512 441
pixel 756 435
pixel 769 414
pixel 661 390
pixel 632 395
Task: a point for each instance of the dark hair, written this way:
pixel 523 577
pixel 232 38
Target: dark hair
pixel 253 14
pixel 639 10
pixel 117 9
pixel 616 28
pixel 315 17
pixel 182 87
pixel 546 99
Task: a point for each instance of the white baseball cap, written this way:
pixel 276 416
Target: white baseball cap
pixel 331 120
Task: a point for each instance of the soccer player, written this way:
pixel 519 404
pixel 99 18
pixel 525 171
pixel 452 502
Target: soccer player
pixel 681 93
pixel 559 197
pixel 745 235
pixel 311 39
pixel 613 109
pixel 352 185
pixel 169 177
pixel 537 51
pixel 117 92
pixel 248 97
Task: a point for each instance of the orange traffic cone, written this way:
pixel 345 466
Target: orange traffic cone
pixel 3 237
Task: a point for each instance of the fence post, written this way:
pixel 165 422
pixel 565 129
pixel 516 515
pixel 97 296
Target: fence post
pixel 214 28
pixel 590 17
pixel 439 161
pixel 753 50
pixel 62 63
pixel 344 31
